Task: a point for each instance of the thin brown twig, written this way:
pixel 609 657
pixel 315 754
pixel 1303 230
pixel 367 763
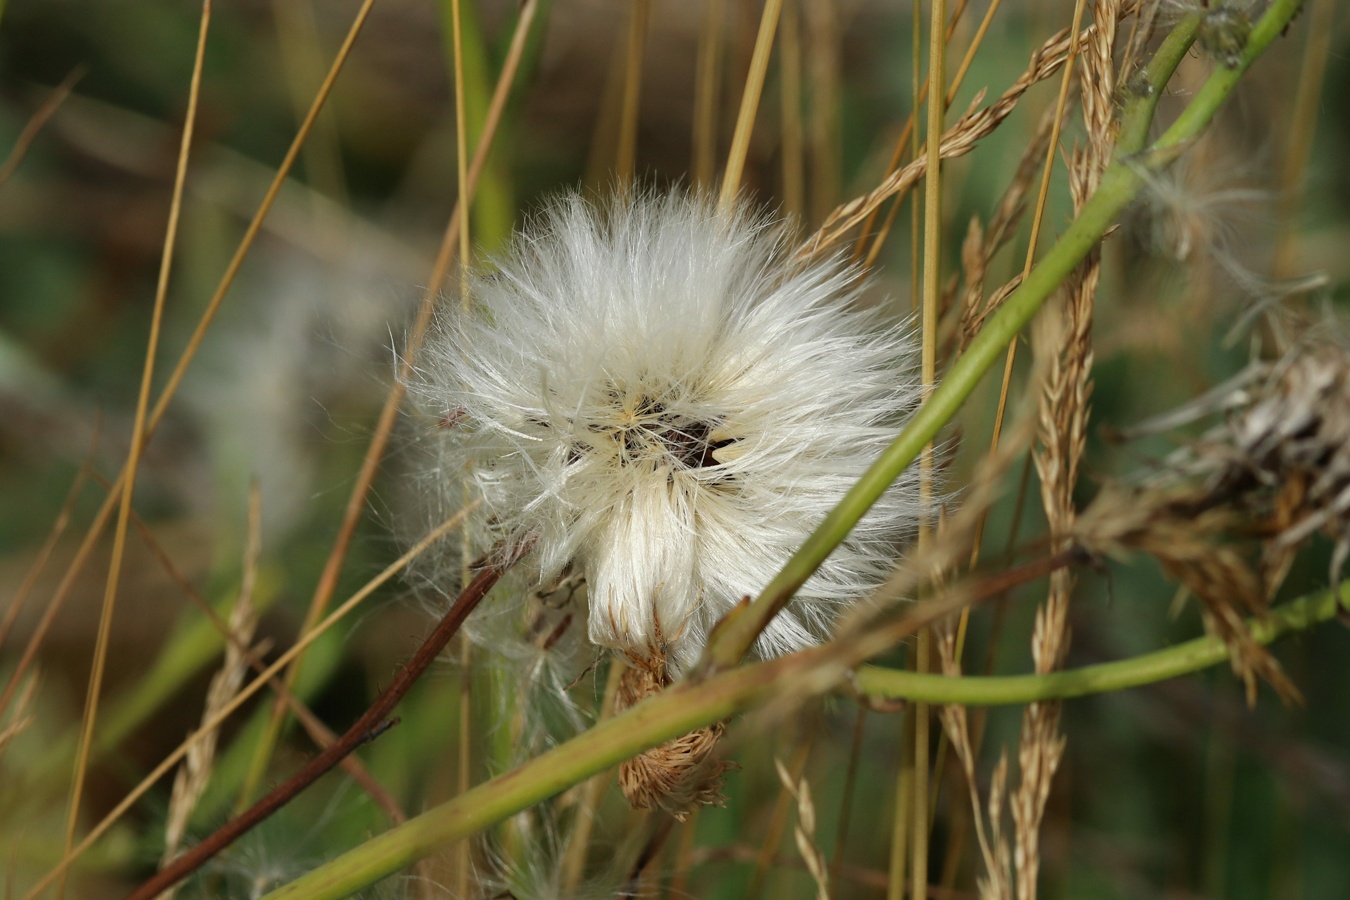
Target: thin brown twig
pixel 626 160
pixel 907 131
pixel 846 803
pixel 651 850
pixel 370 726
pixel 824 133
pixel 684 855
pixel 745 120
pixel 706 93
pixel 21 718
pixel 790 94
pixel 36 123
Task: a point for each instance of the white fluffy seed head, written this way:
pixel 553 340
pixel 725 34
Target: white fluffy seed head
pixel 669 404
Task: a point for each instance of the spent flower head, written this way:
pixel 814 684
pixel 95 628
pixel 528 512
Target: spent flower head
pixel 665 402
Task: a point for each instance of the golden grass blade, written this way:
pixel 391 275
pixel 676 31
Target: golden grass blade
pixel 959 140
pixel 21 718
pixel 465 205
pixel 1303 125
pixel 139 435
pixel 823 51
pixel 745 120
pixel 907 131
pixel 790 74
pixel 579 841
pixel 1039 215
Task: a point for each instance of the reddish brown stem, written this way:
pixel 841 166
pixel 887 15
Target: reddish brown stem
pixel 371 725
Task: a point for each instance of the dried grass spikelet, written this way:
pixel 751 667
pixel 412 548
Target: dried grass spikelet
pixel 680 774
pixel 1227 512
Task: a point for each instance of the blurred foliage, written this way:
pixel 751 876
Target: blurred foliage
pixel 1176 790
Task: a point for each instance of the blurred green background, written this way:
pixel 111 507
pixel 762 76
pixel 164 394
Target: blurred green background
pixel 1173 791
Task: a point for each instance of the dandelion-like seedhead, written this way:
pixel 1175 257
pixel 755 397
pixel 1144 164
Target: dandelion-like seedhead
pixel 661 397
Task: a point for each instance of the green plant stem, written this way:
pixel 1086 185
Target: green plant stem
pixel 687 706
pixel 1149 668
pixel 1120 184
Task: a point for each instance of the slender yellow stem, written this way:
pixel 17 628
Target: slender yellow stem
pixel 35 124
pixel 932 263
pixel 463 873
pixel 138 438
pixel 1303 124
pixel 578 842
pixel 908 130
pixel 754 86
pixel 904 810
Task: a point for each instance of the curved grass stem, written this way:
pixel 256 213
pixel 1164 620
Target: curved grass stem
pixel 1150 668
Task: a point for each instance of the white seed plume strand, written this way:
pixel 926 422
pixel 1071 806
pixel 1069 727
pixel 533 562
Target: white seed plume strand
pixel 670 404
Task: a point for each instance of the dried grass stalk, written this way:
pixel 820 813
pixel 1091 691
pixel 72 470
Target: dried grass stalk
pixel 805 832
pixel 1064 412
pixel 192 777
pixel 996 882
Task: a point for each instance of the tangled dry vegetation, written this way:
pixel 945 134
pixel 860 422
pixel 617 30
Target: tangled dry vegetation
pixel 1117 318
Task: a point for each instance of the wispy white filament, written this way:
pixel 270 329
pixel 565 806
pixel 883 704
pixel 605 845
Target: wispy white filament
pixel 669 404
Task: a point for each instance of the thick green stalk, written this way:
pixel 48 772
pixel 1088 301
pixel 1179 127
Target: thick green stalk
pixel 1120 184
